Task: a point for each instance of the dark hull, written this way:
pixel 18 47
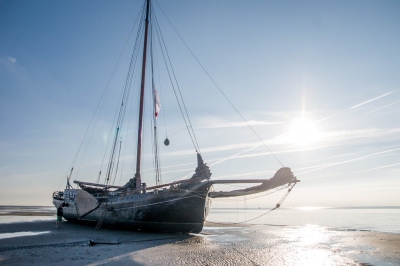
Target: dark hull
pixel 181 209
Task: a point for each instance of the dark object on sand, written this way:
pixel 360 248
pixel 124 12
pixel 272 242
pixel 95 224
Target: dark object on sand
pixel 92 243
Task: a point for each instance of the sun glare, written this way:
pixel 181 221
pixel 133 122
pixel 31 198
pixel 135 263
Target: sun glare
pixel 303 132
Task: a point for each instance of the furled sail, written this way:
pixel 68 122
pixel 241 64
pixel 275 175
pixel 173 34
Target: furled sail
pixel 282 177
pixel 157 103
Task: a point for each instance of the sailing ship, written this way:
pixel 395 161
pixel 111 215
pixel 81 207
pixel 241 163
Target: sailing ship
pixel 180 206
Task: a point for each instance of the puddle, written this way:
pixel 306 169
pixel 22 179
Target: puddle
pixel 19 234
pixel 4 219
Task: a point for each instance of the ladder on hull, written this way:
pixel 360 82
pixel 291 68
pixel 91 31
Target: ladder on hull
pixel 100 222
pixel 104 199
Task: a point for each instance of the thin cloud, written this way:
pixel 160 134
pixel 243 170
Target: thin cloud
pixel 284 114
pixel 169 166
pixel 323 166
pixel 215 123
pixel 225 159
pixel 8 60
pixel 347 154
pixel 382 107
pixel 276 152
pixel 328 138
pixel 316 167
pixel 267 174
pixel 359 134
pixel 235 155
pixel 357 105
pixel 211 149
pixel 376 168
pixel 373 99
pixel 191 170
pixel 5 167
pixel 326 118
pixel 12 60
pixel 27 176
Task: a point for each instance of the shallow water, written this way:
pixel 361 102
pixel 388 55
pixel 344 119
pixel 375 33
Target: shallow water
pixel 300 245
pixel 379 219
pixel 27 209
pixel 19 234
pixel 295 237
pixel 15 214
pixel 18 219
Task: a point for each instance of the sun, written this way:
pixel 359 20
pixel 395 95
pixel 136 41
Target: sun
pixel 303 132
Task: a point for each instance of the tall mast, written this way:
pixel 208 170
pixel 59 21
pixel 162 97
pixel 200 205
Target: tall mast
pixel 140 129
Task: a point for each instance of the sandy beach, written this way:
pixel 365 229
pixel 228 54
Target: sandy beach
pixel 216 245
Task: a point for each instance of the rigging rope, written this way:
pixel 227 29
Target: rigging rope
pixel 276 207
pixel 99 106
pixel 170 68
pixel 119 155
pixel 163 113
pixel 120 115
pixel 157 167
pixel 221 91
pixel 194 195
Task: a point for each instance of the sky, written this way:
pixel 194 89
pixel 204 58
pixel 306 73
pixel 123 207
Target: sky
pixel 318 81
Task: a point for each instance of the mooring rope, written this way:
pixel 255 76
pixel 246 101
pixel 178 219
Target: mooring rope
pixel 276 207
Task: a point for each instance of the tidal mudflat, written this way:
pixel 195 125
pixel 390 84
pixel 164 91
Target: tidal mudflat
pixel 76 244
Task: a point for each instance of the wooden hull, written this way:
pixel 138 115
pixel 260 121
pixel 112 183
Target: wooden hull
pixel 183 209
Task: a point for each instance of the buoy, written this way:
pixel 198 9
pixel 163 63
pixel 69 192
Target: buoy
pixel 166 142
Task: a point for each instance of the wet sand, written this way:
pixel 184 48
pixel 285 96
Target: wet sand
pixel 216 245
pixel 26 211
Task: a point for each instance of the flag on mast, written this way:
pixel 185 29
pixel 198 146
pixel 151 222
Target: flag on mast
pixel 157 103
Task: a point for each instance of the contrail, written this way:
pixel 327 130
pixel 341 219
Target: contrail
pixel 323 119
pixel 233 156
pixel 348 161
pixel 386 166
pixel 382 107
pixel 224 159
pixel 326 118
pixel 373 99
pixel 347 154
pixel 355 106
pixel 285 151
